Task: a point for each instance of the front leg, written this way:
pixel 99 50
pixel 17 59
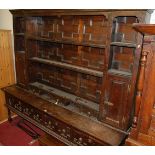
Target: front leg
pixel 9 115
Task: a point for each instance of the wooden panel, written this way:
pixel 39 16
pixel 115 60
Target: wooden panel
pixel 92 29
pixel 19 43
pixel 143 128
pixel 122 58
pixel 95 29
pixel 122 27
pixel 116 101
pixel 21 71
pixel 7 76
pixel 90 57
pixel 62 57
pixel 89 87
pixel 3 109
pixel 19 24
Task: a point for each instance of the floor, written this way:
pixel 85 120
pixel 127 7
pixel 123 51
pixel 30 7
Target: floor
pixel 12 135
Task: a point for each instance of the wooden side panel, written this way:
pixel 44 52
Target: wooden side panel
pixel 21 69
pixel 3 110
pixel 6 60
pixel 7 76
pixel 148 99
pixel 122 58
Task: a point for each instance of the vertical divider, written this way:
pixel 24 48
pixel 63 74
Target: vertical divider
pixel 81 25
pixel 102 113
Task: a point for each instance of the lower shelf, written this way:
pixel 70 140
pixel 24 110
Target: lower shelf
pixel 65 100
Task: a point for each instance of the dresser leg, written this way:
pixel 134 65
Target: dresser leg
pixel 9 115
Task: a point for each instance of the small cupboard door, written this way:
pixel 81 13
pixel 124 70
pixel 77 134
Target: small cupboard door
pixel 21 68
pixel 116 101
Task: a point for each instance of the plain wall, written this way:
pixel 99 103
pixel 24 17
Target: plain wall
pixel 6 21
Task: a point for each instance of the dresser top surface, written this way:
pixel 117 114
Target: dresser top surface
pixel 48 12
pixel 145 28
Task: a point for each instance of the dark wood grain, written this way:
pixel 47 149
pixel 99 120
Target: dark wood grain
pixel 99 130
pixel 146 29
pixel 78 68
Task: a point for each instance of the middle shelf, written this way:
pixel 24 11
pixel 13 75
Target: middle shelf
pixel 38 38
pixel 68 66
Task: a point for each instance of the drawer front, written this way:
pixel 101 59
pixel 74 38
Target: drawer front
pixel 53 126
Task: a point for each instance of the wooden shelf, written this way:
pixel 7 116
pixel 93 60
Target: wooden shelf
pixel 124 44
pixel 68 66
pixel 65 42
pixel 121 73
pixel 20 52
pixel 65 95
pixel 19 34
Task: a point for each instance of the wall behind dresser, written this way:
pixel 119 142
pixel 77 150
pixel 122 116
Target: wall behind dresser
pixel 6 20
pixel 6 23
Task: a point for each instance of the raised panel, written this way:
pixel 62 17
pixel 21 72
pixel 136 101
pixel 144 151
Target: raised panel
pixel 95 29
pixel 123 30
pixel 46 27
pixel 93 58
pixel 21 71
pixel 90 87
pixel 32 25
pixel 19 24
pixel 116 100
pixel 68 28
pixel 58 52
pixel 19 43
pixel 122 58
